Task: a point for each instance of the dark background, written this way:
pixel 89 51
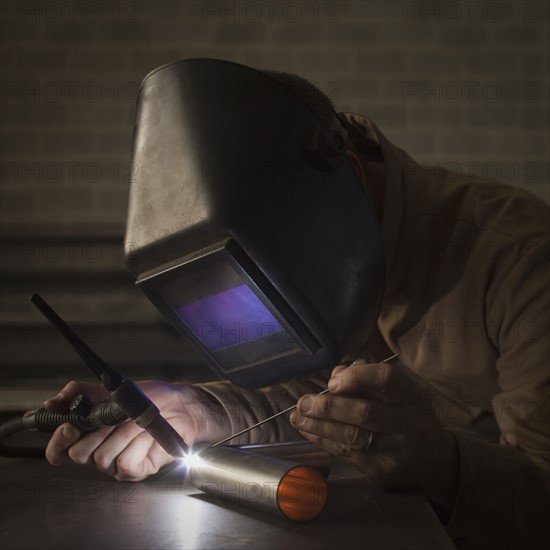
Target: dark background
pixel 462 85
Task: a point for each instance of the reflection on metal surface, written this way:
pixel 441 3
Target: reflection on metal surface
pixel 262 482
pixel 301 452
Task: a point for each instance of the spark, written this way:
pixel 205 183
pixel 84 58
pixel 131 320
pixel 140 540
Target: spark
pixel 191 460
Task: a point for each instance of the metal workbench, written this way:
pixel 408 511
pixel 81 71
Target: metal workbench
pixel 71 507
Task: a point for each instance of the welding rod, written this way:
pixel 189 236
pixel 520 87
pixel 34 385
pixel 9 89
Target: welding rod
pixel 246 430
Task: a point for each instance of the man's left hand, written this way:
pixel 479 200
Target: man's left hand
pixel 408 448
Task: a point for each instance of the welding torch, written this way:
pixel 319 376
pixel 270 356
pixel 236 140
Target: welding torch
pixel 127 399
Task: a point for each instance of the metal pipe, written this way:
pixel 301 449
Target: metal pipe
pixel 274 485
pixel 301 452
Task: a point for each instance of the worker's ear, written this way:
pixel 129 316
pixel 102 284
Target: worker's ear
pixel 357 165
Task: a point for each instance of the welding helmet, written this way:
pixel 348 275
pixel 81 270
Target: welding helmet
pixel 247 225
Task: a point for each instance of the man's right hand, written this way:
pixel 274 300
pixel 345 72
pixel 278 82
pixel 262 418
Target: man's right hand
pixel 127 452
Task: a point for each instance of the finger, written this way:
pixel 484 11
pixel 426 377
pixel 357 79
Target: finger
pixel 338 369
pixel 105 454
pixel 343 366
pixel 362 413
pixel 61 440
pixel 384 381
pixel 367 460
pixel 60 403
pixel 56 404
pixel 330 445
pixel 141 458
pixel 352 437
pixel 81 452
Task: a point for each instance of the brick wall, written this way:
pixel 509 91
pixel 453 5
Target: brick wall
pixel 460 84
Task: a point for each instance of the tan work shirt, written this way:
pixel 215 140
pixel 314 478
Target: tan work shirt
pixel 467 306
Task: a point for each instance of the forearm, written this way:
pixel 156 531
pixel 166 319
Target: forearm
pixel 442 489
pixel 246 407
pixel 502 498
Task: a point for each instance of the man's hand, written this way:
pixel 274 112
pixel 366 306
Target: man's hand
pixel 410 449
pixel 127 452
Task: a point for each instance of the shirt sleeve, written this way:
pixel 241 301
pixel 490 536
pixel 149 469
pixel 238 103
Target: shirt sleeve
pixel 504 490
pixel 246 407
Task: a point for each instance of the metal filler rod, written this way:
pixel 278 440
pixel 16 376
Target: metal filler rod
pixel 280 413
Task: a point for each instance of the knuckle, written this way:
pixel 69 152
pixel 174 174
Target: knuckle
pixel 71 387
pixel 386 472
pixel 325 407
pixel 353 437
pixel 126 466
pixel 101 460
pixel 76 455
pixel 344 450
pixel 364 412
pixel 317 425
pixel 312 425
pixel 386 374
pixel 53 456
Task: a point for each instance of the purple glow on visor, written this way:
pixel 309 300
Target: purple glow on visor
pixel 229 318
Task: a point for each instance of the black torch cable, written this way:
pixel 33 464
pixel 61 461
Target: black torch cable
pixel 10 427
pixel 107 413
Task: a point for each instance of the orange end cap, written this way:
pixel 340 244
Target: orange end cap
pixel 302 494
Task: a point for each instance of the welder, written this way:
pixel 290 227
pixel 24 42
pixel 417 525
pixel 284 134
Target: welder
pixel 296 246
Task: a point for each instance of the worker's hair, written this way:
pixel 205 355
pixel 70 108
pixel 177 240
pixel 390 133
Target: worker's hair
pixel 306 91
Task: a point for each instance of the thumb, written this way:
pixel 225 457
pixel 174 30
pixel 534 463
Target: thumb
pixel 338 369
